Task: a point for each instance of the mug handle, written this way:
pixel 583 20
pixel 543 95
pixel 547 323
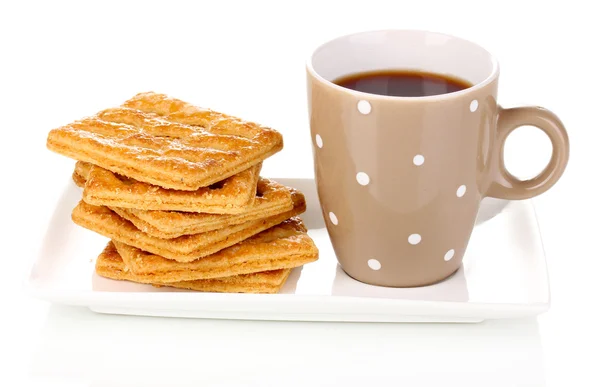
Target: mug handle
pixel 506 186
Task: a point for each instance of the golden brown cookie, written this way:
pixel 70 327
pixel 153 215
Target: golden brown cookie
pixel 110 265
pixel 166 142
pixel 231 196
pixel 182 249
pixel 284 246
pixel 271 199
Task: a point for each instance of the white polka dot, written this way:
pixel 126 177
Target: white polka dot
pixel 460 192
pixel 449 255
pixel 333 218
pixel 364 107
pixel 362 178
pixel 319 141
pixel 374 264
pixel 474 105
pixel 418 160
pixel 414 239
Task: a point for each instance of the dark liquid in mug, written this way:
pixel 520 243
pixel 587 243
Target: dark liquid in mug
pixel 402 83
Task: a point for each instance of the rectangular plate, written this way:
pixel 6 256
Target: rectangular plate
pixel 503 276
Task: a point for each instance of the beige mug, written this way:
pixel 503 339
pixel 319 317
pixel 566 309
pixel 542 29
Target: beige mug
pixel 400 179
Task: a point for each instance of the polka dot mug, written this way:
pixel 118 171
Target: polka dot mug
pixel 400 179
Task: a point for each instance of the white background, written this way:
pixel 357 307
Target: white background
pixel 59 62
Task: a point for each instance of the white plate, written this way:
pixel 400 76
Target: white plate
pixel 503 276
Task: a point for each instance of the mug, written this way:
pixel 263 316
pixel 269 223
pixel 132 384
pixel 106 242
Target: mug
pixel 400 179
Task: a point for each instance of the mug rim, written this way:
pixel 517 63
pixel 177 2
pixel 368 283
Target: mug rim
pixel 361 94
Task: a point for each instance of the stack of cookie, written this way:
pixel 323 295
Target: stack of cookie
pixel 177 189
